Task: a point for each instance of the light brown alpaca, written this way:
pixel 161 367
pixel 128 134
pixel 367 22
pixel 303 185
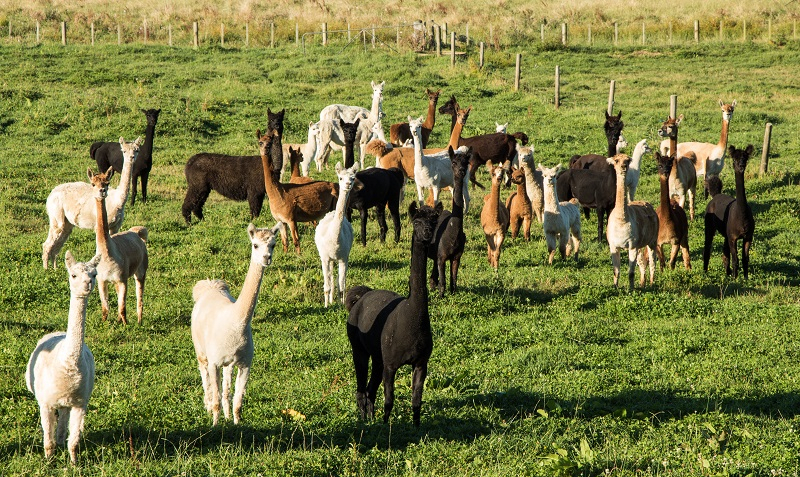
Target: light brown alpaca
pixel 683 179
pixel 293 203
pixel 399 133
pixel 122 255
pixel 673 228
pixel 295 158
pixel 495 218
pixel 632 226
pixel 519 205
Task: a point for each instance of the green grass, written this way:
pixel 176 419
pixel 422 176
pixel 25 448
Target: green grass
pixel 536 369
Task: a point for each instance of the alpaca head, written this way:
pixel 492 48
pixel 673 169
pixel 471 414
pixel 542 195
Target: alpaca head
pixel 313 129
pixel 740 157
pixel 347 178
pixel 275 121
pixel 433 96
pixel 664 163
pixel 613 127
pixel 377 90
pixel 130 150
pixel 151 115
pixel 349 130
pixel 415 125
pixel 462 115
pixel 100 182
pixel 727 110
pixel 669 128
pixel 713 185
pixel 263 243
pixel 82 275
pixel 450 107
pixel 525 155
pixel 459 161
pixel 498 174
pixel 550 175
pixel 501 128
pixel 622 143
pixel 518 176
pixel 620 162
pixel 265 141
pixel 642 148
pixel 423 221
pixel 295 156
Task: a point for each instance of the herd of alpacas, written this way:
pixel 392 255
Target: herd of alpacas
pixel 383 326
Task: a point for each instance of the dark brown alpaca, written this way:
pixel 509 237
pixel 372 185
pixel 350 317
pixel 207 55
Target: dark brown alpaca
pixel 732 218
pixel 293 203
pixel 399 133
pixel 673 228
pixel 593 189
pixel 275 123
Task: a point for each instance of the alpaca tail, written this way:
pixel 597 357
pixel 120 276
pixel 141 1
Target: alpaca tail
pixel 522 137
pixel 378 148
pixel 354 294
pixel 141 231
pixel 93 149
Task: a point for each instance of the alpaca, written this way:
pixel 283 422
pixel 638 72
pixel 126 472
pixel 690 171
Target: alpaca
pixel 349 132
pixel 275 123
pixel 533 181
pixel 381 189
pixel 594 189
pixel 732 218
pixel 450 108
pixel 562 220
pixel 673 228
pixel 683 180
pixel 69 205
pixel 599 163
pixel 494 218
pixel 109 154
pixel 295 159
pixel 519 205
pixel 309 149
pixel 632 226
pixel 449 238
pixel 292 203
pixel 489 149
pixel 350 113
pixel 622 143
pixel 613 131
pixel 501 128
pixel 121 255
pixel 710 158
pixel 60 371
pixel 399 133
pixel 221 328
pixel 393 330
pixel 334 236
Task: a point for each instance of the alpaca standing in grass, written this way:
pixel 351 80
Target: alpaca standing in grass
pixel 533 181
pixel 122 255
pixel 393 330
pixel 562 220
pixel 519 205
pixel 683 179
pixel 334 236
pixel 673 228
pixel 221 328
pixel 308 149
pixel 60 371
pixel 399 133
pixel 494 218
pixel 70 205
pixel 632 226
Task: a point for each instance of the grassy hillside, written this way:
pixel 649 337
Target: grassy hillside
pixel 536 369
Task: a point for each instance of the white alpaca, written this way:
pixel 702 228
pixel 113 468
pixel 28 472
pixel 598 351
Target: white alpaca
pixel 351 113
pixel 70 205
pixel 501 128
pixel 60 370
pixel 632 177
pixel 309 150
pixel 221 328
pixel 622 143
pixel 562 220
pixel 334 236
pixel 533 181
pixel 434 170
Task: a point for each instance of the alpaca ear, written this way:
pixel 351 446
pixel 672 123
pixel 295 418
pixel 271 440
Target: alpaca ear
pixel 69 260
pixel 276 229
pixel 412 209
pixel 721 104
pixel 341 123
pixel 138 141
pixel 89 173
pixel 731 150
pixel 121 140
pixel 258 133
pixel 607 115
pixel 749 150
pixel 338 167
pixel 733 104
pixel 358 120
pixel 95 261
pixel 619 116
pixel 439 208
pixel 450 151
pixel 251 230
pixel 558 167
pixel 610 160
pixel 372 83
pixel 409 119
pixel 678 120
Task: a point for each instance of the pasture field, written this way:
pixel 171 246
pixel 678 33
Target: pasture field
pixel 536 370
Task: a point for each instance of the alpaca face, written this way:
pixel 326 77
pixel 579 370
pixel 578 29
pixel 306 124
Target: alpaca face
pixel 100 182
pixel 459 161
pixel 463 114
pixel 423 220
pixel 501 128
pixel 82 275
pixel 151 115
pixel 130 150
pixel 295 156
pixel 433 96
pixel 265 142
pixel 621 143
pixel 349 130
pixel 518 176
pixel 613 126
pixel 450 107
pixel 347 177
pixel 727 110
pixel 415 125
pixel 740 157
pixel 275 121
pixel 313 130
pixel 669 129
pixel 497 175
pixel 377 91
pixel 263 243
pixel 550 175
pixel 620 162
pixel 664 164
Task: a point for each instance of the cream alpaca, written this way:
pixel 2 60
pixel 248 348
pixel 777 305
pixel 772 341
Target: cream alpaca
pixel 533 181
pixel 60 370
pixel 69 205
pixel 334 236
pixel 221 328
pixel 562 220
pixel 632 177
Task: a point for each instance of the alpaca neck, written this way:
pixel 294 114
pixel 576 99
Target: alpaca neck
pixel 741 197
pixel 455 135
pixel 271 184
pixel 276 157
pixel 550 197
pixel 664 204
pixel 417 151
pixel 71 347
pixel 377 107
pixel 147 148
pixel 295 169
pixel 341 205
pixel 723 136
pixel 522 193
pixel 612 146
pixel 417 283
pixel 120 195
pixel 430 119
pixel 458 197
pixel 103 236
pixel 673 144
pixel 453 121
pixel 636 159
pixel 494 195
pixel 246 303
pixel 349 154
pixel 621 201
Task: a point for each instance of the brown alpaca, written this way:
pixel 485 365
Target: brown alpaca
pixel 673 228
pixel 683 179
pixel 292 203
pixel 399 133
pixel 121 255
pixel 295 158
pixel 519 205
pixel 495 218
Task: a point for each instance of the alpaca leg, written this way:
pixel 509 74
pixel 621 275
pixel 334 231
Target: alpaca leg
pixel 454 263
pixel 616 262
pixel 746 256
pixel 600 214
pixel 734 257
pixel 56 237
pixel 213 387
pixel 514 227
pixel 632 254
pixel 417 385
pixel 284 239
pixel 102 290
pixel 375 378
pixel 363 214
pixel 145 177
pixel 134 185
pixel 551 246
pixel 122 292
pixel 361 365
pixel 342 279
pixel 227 376
pixel 499 238
pixel 673 257
pixel 49 422
pixel 326 280
pixel 576 238
pixel 660 254
pixel 256 202
pixel 63 426
pixel 687 264
pixel 690 193
pixel 194 201
pixel 710 232
pixel 75 426
pixel 526 228
pixel 726 256
pixel 563 239
pixel 388 392
pixel 242 375
pixel 651 262
pixel 438 279
pixel 394 210
pixel 139 298
pixel 295 236
pixel 380 213
pixel 202 365
pixel 420 195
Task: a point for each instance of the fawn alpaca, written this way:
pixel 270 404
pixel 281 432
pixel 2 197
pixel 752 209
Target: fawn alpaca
pixel 399 133
pixel 519 205
pixel 562 220
pixel 495 218
pixel 673 228
pixel 393 330
pixel 60 371
pixel 221 328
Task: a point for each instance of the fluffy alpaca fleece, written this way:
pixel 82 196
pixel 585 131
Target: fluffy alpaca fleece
pixel 533 181
pixel 495 218
pixel 60 371
pixel 70 205
pixel 562 220
pixel 221 328
pixel 519 205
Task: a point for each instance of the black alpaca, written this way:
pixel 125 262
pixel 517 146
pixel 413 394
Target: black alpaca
pixel 393 330
pixel 593 189
pixel 381 189
pixel 349 133
pixel 449 239
pixel 732 218
pixel 275 123
pixel 109 154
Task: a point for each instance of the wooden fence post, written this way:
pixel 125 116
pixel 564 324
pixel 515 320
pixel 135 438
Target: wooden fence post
pixel 144 28
pixel 195 35
pixel 92 33
pixel 373 37
pixel 169 34
pixel 119 34
pixel 610 108
pixel 558 87
pixel 673 106
pixel 517 71
pixel 452 48
pixel 64 33
pixel 272 34
pixel 444 30
pixel 564 34
pixel 437 34
pixel 491 36
pixel 589 34
pixel 616 33
pixel 480 55
pixel 541 28
pixel 697 31
pixel 324 34
pixel 765 150
pixel 38 29
pixel 222 34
